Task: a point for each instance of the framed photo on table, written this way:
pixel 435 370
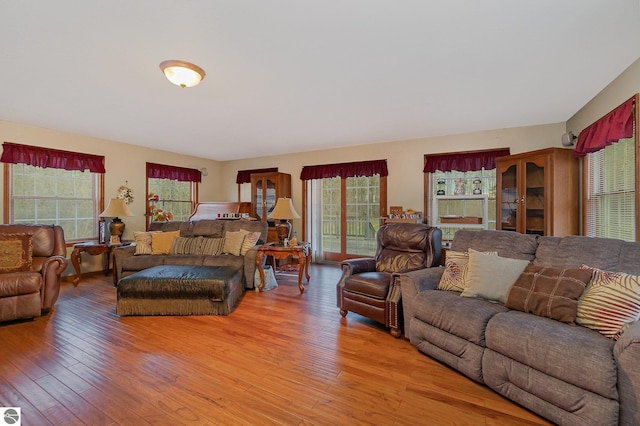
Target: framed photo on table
pixel 102 232
pixel 115 239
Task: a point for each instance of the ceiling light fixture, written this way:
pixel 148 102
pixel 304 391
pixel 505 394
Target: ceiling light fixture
pixel 181 73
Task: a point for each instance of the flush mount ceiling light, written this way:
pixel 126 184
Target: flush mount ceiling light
pixel 181 73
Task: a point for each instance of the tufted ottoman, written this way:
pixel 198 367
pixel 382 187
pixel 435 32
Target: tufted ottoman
pixel 180 290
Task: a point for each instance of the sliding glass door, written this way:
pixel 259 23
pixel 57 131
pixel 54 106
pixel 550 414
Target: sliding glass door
pixel 346 215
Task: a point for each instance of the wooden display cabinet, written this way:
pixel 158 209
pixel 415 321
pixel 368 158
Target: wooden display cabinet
pixel 538 192
pixel 266 188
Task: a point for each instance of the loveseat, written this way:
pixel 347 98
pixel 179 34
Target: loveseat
pixel 127 262
pixel 568 373
pixel 32 257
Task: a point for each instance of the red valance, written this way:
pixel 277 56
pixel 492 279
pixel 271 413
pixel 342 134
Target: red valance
pixel 244 176
pixel 182 174
pixel 53 158
pixel 345 170
pixel 616 125
pixel 464 161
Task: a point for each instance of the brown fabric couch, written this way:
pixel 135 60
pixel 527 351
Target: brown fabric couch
pixel 32 290
pixel 126 262
pixel 569 374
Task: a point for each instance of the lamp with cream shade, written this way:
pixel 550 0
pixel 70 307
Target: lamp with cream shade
pixel 283 211
pixel 116 208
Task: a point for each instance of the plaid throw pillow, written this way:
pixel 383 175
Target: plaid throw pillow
pixel 549 292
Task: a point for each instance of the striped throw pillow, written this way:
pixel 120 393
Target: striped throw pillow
pixel 456 269
pixel 211 246
pixel 610 302
pixel 186 245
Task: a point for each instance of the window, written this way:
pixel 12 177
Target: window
pixel 461 186
pixel 610 200
pixel 174 200
pixel 610 192
pixel 66 198
pixel 49 186
pixel 171 192
pixel 457 206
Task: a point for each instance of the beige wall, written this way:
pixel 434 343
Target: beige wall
pixel 615 93
pixel 123 162
pixel 405 160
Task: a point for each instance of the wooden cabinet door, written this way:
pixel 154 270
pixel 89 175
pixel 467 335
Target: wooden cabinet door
pixel 521 194
pixel 534 195
pixel 537 192
pixel 507 196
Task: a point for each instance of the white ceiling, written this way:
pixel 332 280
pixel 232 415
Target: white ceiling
pixel 296 75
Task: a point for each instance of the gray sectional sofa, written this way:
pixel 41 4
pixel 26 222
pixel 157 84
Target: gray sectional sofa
pixel 126 262
pixel 567 373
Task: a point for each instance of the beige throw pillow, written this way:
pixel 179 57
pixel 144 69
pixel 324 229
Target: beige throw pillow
pixel 161 241
pixel 491 277
pixel 143 242
pixel 233 242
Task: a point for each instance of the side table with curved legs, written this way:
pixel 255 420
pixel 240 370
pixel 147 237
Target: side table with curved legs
pixel 302 251
pixel 92 248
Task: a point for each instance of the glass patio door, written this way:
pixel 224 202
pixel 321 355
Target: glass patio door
pixel 349 216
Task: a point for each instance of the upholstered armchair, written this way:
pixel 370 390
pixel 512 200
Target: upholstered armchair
pixel 367 284
pixel 32 258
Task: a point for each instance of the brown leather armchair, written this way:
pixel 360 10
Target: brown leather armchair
pixel 367 284
pixel 33 290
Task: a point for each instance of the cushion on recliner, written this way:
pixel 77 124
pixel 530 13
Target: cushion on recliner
pixel 373 284
pixel 403 247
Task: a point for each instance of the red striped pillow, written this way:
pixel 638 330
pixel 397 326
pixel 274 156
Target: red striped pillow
pixel 610 302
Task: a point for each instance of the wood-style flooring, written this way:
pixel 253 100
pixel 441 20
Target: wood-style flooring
pixel 281 358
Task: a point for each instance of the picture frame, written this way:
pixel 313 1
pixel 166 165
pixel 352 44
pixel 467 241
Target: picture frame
pixel 115 239
pixel 102 232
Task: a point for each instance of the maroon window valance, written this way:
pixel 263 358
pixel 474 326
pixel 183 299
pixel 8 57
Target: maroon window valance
pixel 182 174
pixel 244 176
pixel 616 125
pixel 464 161
pixel 51 158
pixel 345 170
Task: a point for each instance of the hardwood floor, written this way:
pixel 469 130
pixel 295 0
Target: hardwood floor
pixel 280 358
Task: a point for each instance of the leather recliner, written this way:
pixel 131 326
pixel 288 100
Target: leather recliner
pixel 33 291
pixel 367 285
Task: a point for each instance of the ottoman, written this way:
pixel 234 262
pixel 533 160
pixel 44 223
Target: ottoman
pixel 180 290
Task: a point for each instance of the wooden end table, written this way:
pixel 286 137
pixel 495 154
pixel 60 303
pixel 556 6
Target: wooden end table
pixel 93 248
pixel 302 251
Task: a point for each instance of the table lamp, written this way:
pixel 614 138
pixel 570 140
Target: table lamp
pixel 115 209
pixel 283 211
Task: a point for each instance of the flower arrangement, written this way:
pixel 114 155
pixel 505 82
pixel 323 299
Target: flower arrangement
pixel 125 193
pixel 157 214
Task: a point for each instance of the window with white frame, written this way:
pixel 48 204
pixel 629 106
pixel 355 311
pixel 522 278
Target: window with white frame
pixel 51 186
pixel 171 192
pixel 68 198
pixel 610 203
pixel 170 199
